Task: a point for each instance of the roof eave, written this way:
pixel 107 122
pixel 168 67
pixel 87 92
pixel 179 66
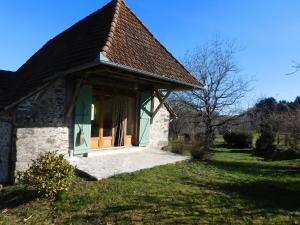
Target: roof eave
pixel 102 60
pixel 105 62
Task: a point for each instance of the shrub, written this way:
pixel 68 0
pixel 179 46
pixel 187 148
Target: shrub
pixel 48 175
pixel 198 150
pixel 286 154
pixel 198 137
pixel 187 138
pixel 295 137
pixel 199 153
pixel 178 147
pixel 238 139
pixel 167 148
pixel 265 143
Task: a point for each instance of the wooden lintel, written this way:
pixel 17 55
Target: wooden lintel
pixel 162 102
pixel 111 83
pixel 142 80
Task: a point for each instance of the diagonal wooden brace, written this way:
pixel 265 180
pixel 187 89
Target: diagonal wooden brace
pixel 167 105
pixel 74 98
pixel 162 102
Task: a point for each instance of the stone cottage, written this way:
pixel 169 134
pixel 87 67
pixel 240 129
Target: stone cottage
pixel 102 83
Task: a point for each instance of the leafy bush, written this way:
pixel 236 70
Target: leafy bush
pixel 48 175
pixel 178 147
pixel 238 139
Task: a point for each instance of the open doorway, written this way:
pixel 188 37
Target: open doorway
pixel 113 120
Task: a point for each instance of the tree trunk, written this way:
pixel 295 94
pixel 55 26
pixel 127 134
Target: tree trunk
pixel 208 138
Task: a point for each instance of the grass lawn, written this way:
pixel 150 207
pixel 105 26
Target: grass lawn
pixel 231 188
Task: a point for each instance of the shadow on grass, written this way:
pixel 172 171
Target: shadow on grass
pixel 230 149
pixel 188 208
pixel 150 209
pixel 17 197
pixel 266 192
pixel 224 145
pixel 273 195
pixel 237 150
pixel 255 169
pixel 243 151
pixel 265 195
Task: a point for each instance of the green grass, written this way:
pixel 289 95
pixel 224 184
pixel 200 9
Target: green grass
pixel 233 187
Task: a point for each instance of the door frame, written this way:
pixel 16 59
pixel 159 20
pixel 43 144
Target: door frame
pixel 111 139
pixel 101 140
pixel 130 139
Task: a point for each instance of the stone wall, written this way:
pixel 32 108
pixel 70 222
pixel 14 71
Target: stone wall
pixel 40 125
pixel 159 130
pixel 5 148
pixel 33 141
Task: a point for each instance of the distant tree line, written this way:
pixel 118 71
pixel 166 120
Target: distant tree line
pixel 275 123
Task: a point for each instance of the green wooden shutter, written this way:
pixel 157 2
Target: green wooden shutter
pixel 82 121
pixel 145 118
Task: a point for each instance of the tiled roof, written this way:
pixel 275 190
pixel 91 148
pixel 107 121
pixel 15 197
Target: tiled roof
pixel 78 45
pixel 117 33
pixel 132 44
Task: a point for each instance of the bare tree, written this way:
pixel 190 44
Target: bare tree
pixel 186 123
pixel 296 67
pixel 218 103
pixel 181 122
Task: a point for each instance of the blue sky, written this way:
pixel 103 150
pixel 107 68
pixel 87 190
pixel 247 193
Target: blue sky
pixel 267 30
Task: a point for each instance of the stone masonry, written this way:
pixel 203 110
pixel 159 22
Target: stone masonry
pixel 40 125
pixel 5 148
pixel 159 130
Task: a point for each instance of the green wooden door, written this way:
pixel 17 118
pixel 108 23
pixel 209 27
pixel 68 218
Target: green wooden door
pixel 145 118
pixel 82 121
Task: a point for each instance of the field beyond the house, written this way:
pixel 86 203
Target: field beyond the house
pixel 233 187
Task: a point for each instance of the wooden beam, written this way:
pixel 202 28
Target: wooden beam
pixel 74 98
pixel 162 102
pixel 13 104
pixel 111 83
pixel 132 78
pixel 167 105
pixel 110 74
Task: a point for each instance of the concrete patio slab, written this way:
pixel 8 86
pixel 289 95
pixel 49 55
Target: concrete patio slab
pixel 101 165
